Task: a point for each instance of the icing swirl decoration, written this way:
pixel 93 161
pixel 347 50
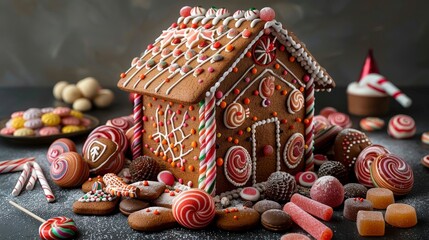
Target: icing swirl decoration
pixel 364 161
pixel 266 87
pixel 392 172
pixel 264 50
pixel 193 209
pixel 238 14
pixel 197 11
pixel 295 101
pixel 58 228
pixel 234 115
pixel 237 165
pixel 211 12
pixel 294 150
pixel 251 14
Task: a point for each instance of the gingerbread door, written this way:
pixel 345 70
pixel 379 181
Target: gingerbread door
pixel 265 149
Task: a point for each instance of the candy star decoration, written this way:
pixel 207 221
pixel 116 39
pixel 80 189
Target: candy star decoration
pixel 53 228
pixel 379 83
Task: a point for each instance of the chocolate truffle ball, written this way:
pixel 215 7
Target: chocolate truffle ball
pixel 335 169
pixel 280 187
pixel 144 168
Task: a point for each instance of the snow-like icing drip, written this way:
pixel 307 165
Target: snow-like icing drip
pixel 251 14
pixel 198 11
pixel 238 14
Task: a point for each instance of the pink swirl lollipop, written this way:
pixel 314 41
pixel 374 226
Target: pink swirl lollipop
pixel 193 209
pixel 294 150
pixel 363 163
pixel 327 111
pixel 238 165
pixel 53 228
pixel 234 116
pixel 306 179
pixel 266 87
pixel 120 122
pixel 295 101
pixel 340 119
pixel 58 147
pixel 320 123
pixel 392 172
pixel 109 132
pixel 401 126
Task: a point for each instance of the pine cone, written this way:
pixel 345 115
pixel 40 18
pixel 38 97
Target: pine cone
pixel 280 187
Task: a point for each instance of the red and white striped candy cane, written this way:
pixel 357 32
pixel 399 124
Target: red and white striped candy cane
pixel 22 179
pixel 14 165
pixel 210 186
pixel 377 81
pixel 136 144
pixel 309 125
pixel 44 183
pixel 202 139
pixel 32 180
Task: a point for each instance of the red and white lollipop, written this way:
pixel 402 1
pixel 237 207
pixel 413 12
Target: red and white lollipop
pixel 401 126
pixel 53 228
pixel 364 161
pixel 340 119
pixel 306 179
pixel 194 209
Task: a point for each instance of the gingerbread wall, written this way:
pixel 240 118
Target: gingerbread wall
pixel 242 89
pixel 172 114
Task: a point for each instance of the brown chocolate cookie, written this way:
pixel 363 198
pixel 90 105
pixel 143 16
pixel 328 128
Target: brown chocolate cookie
pixel 237 219
pixel 149 190
pixel 348 144
pixel 152 219
pixel 100 154
pixel 130 205
pixel 265 205
pixel 276 220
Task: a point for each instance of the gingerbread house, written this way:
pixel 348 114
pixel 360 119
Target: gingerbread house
pixel 223 100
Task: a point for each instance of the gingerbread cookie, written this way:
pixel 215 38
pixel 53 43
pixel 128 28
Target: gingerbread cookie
pixel 237 219
pixel 101 154
pixel 96 202
pixel 166 198
pixel 149 190
pixel 152 219
pixel 348 144
pixel 87 186
pixel 130 205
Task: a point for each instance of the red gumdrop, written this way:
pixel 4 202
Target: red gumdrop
pixel 166 177
pixel 268 150
pixel 185 11
pixel 267 14
pixel 328 190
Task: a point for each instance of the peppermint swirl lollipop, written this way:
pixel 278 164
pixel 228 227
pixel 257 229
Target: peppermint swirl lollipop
pixel 392 172
pixel 371 124
pixel 234 116
pixel 120 122
pixel 53 228
pixel 294 150
pixel 340 119
pixel 238 165
pixel 401 126
pixel 58 228
pixel 364 161
pixel 295 101
pixel 266 87
pixel 193 209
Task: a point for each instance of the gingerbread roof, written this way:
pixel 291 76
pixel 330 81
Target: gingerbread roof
pixel 192 57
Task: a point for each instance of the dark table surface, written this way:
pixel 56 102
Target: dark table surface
pixel 15 224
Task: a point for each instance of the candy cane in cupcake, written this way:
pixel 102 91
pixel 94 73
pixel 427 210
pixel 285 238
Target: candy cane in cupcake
pixel 401 126
pixel 193 209
pixel 381 84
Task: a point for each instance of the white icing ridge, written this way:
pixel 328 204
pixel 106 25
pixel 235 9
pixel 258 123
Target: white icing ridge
pixel 356 89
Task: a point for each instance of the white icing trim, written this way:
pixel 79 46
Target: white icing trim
pixel 254 143
pixel 254 22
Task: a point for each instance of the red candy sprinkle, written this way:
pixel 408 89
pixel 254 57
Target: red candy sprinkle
pixel 217 45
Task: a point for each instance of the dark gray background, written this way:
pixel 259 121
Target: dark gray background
pixel 42 42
